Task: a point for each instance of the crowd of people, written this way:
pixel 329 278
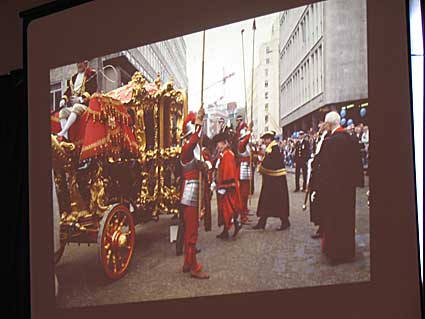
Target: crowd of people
pixel 287 146
pixel 331 163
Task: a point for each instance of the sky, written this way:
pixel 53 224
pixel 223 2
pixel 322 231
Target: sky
pixel 223 55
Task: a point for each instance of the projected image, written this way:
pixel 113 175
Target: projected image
pixel 226 161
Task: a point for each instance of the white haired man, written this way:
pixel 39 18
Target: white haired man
pixel 337 186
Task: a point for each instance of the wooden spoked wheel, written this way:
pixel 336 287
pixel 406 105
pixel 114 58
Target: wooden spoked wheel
pixel 116 241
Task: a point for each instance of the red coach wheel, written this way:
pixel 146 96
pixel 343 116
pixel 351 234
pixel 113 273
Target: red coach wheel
pixel 116 241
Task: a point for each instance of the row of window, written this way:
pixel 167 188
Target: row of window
pixel 283 17
pixel 305 35
pixel 177 65
pixel 159 66
pixel 305 83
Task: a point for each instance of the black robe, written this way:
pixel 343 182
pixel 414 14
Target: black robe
pixel 274 198
pixel 337 179
pixel 313 186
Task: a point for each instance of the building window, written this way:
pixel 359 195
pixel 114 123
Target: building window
pixel 266 128
pixel 266 107
pixel 313 16
pixel 266 119
pixel 266 95
pixel 266 83
pixel 55 95
pixel 267 61
pixel 267 72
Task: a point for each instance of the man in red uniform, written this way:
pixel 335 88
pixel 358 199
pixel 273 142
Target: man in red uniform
pixel 240 125
pixel 76 98
pixel 244 169
pixel 190 159
pixel 227 187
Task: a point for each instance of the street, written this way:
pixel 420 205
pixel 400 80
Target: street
pixel 256 261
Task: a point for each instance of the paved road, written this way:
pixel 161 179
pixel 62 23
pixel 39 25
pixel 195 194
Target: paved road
pixel 255 261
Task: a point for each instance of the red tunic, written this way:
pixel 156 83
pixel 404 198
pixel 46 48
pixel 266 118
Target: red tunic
pixel 190 209
pixel 241 126
pixel 186 154
pixel 191 171
pixel 230 202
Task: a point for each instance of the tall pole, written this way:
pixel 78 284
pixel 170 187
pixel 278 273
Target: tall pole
pixel 252 67
pixel 244 77
pixel 201 108
pixel 252 105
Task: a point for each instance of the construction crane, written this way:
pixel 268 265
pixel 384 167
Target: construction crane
pixel 222 80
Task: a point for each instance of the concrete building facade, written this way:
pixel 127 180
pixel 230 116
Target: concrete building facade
pixel 166 59
pixel 266 85
pixel 323 61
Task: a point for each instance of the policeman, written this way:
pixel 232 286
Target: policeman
pixel 301 156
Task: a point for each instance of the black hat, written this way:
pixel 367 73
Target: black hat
pixel 222 136
pixel 239 117
pixel 270 134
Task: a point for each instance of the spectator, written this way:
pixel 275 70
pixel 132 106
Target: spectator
pixel 365 141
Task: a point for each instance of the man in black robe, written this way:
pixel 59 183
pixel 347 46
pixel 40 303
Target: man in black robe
pixel 313 193
pixel 337 181
pixel 274 198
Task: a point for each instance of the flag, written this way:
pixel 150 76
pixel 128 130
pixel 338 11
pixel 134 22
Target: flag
pixel 253 25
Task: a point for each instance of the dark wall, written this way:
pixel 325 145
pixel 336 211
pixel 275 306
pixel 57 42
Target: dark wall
pixel 11 32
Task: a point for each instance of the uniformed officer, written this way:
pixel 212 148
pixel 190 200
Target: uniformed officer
pixel 190 161
pixel 301 156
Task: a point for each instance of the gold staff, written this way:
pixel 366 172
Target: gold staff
pixel 252 106
pixel 244 78
pixel 201 108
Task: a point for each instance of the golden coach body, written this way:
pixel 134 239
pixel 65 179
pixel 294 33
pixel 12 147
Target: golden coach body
pixel 129 142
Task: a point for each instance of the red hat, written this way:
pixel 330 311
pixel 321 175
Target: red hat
pixel 241 127
pixel 189 124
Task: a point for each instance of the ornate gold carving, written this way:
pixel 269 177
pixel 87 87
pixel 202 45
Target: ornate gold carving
pixel 158 192
pixel 97 193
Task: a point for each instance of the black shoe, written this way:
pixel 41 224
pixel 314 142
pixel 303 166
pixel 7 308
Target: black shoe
pixel 259 226
pixel 296 190
pixel 284 226
pixel 198 250
pixel 315 236
pixel 223 235
pixel 238 227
